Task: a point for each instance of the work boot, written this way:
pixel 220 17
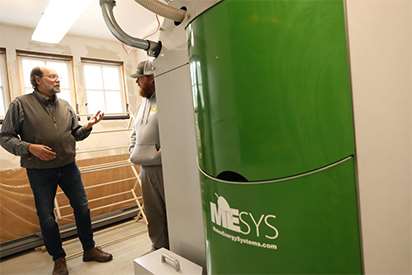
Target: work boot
pixel 60 267
pixel 96 254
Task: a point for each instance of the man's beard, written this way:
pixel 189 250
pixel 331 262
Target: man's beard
pixel 146 93
pixel 55 90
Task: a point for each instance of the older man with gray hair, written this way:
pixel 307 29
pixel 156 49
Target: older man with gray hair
pixel 43 129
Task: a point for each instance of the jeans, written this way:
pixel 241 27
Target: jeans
pixel 44 183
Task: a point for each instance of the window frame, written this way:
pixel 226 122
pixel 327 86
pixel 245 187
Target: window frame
pixel 52 57
pixel 5 82
pixel 123 92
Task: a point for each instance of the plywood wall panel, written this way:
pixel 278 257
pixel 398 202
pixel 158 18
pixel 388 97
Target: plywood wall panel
pixel 18 216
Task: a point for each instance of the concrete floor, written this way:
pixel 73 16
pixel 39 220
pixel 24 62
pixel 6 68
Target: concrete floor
pixel 125 241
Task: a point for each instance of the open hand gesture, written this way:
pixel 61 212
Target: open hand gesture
pixel 94 119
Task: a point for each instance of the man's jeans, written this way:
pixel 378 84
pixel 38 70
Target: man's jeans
pixel 44 183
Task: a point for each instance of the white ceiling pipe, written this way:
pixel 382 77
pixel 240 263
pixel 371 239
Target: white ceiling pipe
pixel 164 10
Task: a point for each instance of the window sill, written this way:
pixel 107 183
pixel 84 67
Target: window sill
pixel 113 117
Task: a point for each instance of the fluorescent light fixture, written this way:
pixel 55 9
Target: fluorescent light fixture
pixel 58 18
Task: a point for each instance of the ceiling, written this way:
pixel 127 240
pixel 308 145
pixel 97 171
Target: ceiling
pixel 133 19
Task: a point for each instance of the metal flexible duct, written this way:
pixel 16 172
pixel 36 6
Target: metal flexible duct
pixel 152 48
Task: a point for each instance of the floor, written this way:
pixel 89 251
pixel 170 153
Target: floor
pixel 125 241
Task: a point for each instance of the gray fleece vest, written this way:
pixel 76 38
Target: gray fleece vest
pixel 53 130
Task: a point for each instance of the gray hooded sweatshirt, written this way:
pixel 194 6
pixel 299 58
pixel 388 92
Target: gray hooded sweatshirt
pixel 144 146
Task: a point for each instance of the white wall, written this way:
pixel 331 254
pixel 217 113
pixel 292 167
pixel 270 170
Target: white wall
pixel 18 38
pixel 380 33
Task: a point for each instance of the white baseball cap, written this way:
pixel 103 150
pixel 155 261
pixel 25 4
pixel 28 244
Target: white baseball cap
pixel 144 68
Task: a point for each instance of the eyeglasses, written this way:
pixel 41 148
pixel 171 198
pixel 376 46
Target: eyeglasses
pixel 52 76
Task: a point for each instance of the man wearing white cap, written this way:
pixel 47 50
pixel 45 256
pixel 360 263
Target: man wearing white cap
pixel 145 150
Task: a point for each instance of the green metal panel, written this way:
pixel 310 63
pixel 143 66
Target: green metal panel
pixel 271 87
pixel 307 225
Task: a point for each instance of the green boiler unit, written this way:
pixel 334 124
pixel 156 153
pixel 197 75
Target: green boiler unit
pixel 274 124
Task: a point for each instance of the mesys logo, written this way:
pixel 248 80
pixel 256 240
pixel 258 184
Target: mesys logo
pixel 244 222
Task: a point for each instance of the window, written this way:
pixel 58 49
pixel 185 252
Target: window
pixel 61 64
pixel 104 87
pixel 3 84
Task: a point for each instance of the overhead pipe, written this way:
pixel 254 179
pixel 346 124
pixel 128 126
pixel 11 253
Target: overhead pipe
pixel 152 48
pixel 164 10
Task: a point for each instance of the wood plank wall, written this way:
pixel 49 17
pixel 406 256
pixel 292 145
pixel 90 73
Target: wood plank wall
pixel 18 216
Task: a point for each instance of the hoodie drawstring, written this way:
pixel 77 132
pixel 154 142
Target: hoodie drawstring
pixel 143 112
